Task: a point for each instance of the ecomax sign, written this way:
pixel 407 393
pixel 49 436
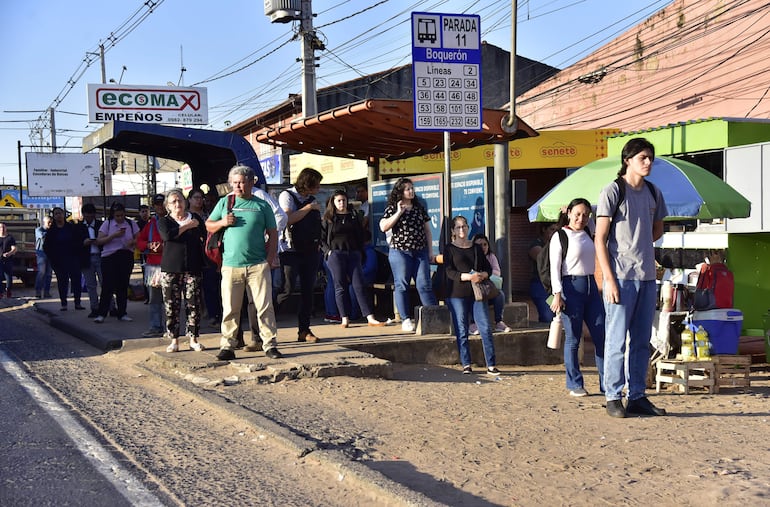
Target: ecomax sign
pixel 446 68
pixel 147 104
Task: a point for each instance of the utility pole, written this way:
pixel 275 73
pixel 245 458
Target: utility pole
pixel 309 102
pixel 503 176
pixel 53 129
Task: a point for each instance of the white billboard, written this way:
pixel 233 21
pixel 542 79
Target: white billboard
pixel 147 104
pixel 62 174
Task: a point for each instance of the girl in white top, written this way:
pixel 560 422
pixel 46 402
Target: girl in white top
pixel 576 297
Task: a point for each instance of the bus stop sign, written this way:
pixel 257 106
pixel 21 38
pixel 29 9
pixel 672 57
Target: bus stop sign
pixel 446 67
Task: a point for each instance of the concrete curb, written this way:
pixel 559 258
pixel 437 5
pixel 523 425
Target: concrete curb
pixel 93 339
pixel 297 444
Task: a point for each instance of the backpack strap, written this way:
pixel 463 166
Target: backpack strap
pixel 620 181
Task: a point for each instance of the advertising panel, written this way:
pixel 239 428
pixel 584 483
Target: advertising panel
pixel 147 104
pixel 468 199
pixel 62 174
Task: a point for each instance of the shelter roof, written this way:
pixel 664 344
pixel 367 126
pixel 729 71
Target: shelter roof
pixel 209 153
pixel 384 129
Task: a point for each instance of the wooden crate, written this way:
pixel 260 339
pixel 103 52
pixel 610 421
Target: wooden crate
pixel 685 374
pixel 732 371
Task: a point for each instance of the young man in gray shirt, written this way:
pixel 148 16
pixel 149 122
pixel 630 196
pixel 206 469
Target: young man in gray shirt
pixel 626 229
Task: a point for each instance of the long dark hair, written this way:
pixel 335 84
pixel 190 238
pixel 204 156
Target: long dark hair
pixel 631 149
pixel 479 236
pixel 115 206
pixel 563 218
pixel 397 193
pixel 331 210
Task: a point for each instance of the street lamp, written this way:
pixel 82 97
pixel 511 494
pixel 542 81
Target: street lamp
pixel 120 80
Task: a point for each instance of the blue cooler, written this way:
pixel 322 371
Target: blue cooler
pixel 723 326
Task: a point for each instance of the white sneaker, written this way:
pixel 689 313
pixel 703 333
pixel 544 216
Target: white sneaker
pixel 502 327
pixel 578 393
pixel 407 326
pixel 473 329
pixel 126 318
pixel 99 319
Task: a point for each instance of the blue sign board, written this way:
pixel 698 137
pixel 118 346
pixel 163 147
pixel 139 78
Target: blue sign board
pixel 34 202
pixel 446 70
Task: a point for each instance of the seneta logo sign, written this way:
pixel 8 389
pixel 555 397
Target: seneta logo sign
pixel 147 104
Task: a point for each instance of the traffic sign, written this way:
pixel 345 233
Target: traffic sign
pixel 8 201
pixel 446 70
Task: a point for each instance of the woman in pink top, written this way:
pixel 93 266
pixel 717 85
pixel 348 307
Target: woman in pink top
pixel 117 237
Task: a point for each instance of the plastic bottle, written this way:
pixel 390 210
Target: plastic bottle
pixel 702 344
pixel 555 332
pixel 688 342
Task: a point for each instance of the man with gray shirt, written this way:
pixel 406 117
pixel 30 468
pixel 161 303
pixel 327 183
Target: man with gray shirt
pixel 629 220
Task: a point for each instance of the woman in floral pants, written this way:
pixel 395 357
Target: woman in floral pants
pixel 183 234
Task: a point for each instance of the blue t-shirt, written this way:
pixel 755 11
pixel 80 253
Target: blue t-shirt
pixel 245 240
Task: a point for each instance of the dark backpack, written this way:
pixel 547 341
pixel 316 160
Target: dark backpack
pixel 621 182
pixel 305 235
pixel 544 259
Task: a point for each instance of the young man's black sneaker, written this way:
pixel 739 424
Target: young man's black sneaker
pixel 643 406
pixel 273 354
pixel 493 371
pixel 615 408
pixel 467 370
pixel 226 355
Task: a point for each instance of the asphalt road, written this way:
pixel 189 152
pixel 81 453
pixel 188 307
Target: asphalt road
pixel 81 427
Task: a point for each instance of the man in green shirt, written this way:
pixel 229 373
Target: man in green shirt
pixel 250 242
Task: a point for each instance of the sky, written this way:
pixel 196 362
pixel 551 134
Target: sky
pixel 246 63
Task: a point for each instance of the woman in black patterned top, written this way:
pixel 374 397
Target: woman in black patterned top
pixel 410 250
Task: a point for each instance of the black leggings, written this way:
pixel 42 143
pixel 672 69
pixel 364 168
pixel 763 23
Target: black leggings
pixel 116 273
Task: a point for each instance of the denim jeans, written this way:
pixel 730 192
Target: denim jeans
pixel 44 273
pixel 634 314
pixel 157 311
pixel 460 309
pixel 6 274
pixel 345 267
pixel 407 266
pixel 539 296
pixel 93 276
pixel 583 303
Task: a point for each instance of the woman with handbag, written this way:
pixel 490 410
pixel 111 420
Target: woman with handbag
pixel 182 266
pixel 466 266
pixel 576 294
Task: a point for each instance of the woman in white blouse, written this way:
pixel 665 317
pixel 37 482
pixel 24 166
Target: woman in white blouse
pixel 575 293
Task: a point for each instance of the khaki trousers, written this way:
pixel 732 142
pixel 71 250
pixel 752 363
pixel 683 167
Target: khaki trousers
pixel 257 281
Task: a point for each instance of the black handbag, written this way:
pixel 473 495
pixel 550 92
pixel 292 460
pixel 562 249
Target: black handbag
pixel 485 289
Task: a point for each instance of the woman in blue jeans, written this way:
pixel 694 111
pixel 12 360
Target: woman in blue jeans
pixel 342 238
pixel 575 293
pixel 410 252
pixel 465 262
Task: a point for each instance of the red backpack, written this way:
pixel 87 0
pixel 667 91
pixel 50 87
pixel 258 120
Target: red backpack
pixel 715 287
